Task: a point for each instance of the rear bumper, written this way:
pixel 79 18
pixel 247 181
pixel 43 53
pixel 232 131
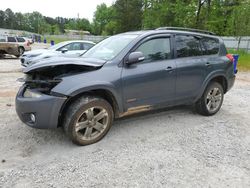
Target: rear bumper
pixel 27 48
pixel 46 110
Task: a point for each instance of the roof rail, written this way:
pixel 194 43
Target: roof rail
pixel 186 29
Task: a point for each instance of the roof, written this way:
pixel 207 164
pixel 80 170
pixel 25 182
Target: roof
pixel 178 30
pixel 70 41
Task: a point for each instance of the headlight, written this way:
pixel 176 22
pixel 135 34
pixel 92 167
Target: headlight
pixel 31 94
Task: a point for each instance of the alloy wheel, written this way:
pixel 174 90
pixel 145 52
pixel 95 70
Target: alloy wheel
pixel 92 123
pixel 214 99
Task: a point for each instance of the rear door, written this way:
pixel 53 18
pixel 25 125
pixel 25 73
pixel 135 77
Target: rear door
pixel 152 81
pixel 214 61
pixel 191 67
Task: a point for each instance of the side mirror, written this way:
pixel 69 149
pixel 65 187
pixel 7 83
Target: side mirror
pixel 64 50
pixel 135 57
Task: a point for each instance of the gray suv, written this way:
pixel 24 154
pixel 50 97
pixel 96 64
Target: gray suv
pixel 124 74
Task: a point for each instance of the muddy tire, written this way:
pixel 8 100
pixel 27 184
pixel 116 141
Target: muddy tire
pixel 88 120
pixel 211 100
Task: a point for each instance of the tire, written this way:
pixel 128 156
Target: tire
pixel 82 121
pixel 211 100
pixel 21 50
pixel 2 55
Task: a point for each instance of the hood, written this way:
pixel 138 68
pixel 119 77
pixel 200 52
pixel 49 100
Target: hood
pixel 35 52
pixel 46 54
pixel 61 61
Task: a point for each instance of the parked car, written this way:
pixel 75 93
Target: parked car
pixel 23 45
pixel 67 49
pixel 30 40
pixel 124 74
pixel 11 48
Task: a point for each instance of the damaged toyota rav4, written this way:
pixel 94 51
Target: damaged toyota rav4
pixel 124 74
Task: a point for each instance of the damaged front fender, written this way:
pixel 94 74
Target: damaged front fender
pixel 45 75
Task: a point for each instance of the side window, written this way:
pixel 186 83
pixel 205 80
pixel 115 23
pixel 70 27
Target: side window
pixel 2 39
pixel 211 45
pixel 187 46
pixel 156 49
pixel 20 39
pixel 87 46
pixel 72 46
pixel 11 39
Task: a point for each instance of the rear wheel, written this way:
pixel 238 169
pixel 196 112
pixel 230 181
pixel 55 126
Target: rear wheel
pixel 88 120
pixel 211 100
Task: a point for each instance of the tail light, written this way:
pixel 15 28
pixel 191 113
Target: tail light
pixel 28 43
pixel 230 57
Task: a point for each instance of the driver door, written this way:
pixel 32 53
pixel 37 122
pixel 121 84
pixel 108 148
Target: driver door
pixel 151 81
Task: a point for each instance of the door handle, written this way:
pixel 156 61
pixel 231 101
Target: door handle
pixel 169 68
pixel 207 64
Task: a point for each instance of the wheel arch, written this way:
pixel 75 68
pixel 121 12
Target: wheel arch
pixel 103 93
pixel 220 78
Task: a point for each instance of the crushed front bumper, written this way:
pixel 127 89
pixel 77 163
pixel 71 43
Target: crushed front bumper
pixel 45 109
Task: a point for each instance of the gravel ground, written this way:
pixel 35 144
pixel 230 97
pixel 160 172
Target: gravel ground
pixel 171 148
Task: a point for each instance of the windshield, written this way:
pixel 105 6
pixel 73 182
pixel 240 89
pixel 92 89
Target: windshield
pixel 109 48
pixel 59 45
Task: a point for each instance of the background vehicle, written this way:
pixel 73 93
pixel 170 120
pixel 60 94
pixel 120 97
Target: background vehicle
pixel 127 73
pixel 11 48
pixel 23 45
pixel 68 49
pixel 30 40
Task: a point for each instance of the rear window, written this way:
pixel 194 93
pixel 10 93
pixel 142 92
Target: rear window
pixel 187 46
pixel 19 39
pixel 11 39
pixel 211 45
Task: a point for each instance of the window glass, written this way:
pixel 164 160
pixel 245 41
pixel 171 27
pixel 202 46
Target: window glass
pixel 11 39
pixel 72 46
pixel 211 45
pixel 110 47
pixel 20 39
pixel 156 49
pixel 2 39
pixel 87 46
pixel 187 46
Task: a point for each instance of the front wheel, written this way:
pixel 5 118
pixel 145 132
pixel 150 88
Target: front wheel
pixel 211 100
pixel 88 120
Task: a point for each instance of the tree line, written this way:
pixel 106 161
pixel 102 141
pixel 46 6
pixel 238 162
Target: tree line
pixel 224 17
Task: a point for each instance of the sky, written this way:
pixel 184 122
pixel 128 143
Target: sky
pixel 54 8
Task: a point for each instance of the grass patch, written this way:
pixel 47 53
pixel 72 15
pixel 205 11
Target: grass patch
pixel 55 39
pixel 244 59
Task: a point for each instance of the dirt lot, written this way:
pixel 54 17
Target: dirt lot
pixel 174 148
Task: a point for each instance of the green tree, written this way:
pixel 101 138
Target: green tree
pixel 128 15
pixel 2 19
pixel 9 19
pixel 103 22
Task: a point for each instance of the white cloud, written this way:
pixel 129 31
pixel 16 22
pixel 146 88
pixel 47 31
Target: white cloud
pixel 54 8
